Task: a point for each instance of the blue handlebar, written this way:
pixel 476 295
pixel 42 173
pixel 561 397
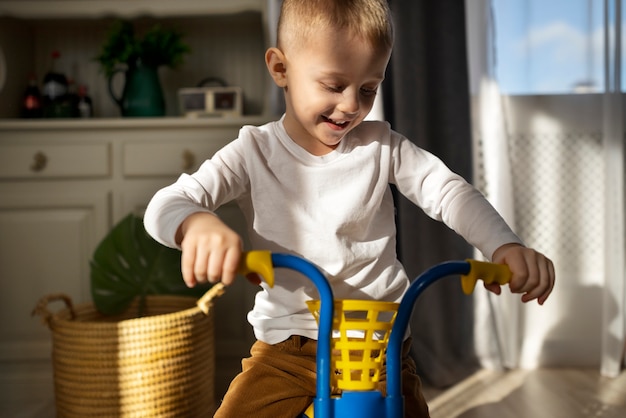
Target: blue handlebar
pixel 322 400
pixel 394 400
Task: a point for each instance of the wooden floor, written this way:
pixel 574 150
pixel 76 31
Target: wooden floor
pixel 544 393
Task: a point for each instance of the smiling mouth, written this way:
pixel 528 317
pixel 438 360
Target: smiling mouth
pixel 338 124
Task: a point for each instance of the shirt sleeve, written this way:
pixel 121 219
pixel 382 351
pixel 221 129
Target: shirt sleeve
pixel 217 181
pixel 445 196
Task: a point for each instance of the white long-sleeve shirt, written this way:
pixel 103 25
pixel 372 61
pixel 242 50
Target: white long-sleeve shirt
pixel 335 210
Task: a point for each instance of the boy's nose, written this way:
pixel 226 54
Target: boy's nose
pixel 350 104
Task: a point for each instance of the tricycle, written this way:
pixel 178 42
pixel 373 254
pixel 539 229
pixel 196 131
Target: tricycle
pixel 357 338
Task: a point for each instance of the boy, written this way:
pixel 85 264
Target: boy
pixel 316 184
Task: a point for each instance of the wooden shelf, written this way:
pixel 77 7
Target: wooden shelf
pixel 225 45
pixel 127 123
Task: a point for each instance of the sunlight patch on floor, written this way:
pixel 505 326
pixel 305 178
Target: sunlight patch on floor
pixel 541 393
pixel 483 387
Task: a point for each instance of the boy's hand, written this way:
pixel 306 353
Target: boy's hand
pixel 211 250
pixel 532 272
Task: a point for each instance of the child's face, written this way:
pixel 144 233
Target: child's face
pixel 330 83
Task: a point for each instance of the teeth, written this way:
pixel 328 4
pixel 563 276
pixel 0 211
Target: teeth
pixel 339 123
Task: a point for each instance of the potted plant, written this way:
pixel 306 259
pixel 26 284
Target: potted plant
pixel 129 265
pixel 139 58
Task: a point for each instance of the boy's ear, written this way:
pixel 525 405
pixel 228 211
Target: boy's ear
pixel 277 66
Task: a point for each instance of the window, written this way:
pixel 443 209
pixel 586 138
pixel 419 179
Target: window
pixel 551 47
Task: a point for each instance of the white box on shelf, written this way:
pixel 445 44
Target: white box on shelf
pixel 210 101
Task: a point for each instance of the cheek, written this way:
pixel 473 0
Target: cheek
pixel 310 99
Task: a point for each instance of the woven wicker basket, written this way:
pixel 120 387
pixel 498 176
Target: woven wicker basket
pixel 159 365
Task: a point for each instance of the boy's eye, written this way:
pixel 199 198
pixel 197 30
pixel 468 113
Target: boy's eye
pixel 338 88
pixel 368 92
pixel 334 88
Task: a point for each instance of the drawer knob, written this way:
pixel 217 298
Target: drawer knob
pixel 189 160
pixel 40 161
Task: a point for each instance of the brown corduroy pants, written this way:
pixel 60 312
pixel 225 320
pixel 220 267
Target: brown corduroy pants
pixel 279 381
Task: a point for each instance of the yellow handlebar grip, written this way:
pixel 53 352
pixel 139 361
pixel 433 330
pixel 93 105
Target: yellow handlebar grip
pixel 487 272
pixel 259 262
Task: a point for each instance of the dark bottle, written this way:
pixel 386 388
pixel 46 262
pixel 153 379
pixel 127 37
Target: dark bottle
pixel 32 102
pixel 71 100
pixel 85 105
pixel 55 104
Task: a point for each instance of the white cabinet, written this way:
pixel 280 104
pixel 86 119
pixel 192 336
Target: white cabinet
pixel 49 226
pixel 46 239
pixel 63 185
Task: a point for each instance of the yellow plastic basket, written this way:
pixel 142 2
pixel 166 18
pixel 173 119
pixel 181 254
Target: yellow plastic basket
pixel 361 330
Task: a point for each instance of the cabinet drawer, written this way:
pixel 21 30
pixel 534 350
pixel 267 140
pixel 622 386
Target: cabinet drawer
pixel 54 160
pixel 166 158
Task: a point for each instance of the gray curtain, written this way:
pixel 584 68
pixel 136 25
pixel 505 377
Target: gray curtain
pixel 427 100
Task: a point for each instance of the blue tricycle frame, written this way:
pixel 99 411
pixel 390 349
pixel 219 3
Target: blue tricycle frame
pixel 367 404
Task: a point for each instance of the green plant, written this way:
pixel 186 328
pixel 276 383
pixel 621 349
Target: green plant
pixel 128 264
pixel 159 46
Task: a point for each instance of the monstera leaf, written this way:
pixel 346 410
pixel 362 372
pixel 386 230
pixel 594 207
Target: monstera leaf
pixel 128 264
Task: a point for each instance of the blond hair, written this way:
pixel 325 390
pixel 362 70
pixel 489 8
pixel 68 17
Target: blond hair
pixel 367 19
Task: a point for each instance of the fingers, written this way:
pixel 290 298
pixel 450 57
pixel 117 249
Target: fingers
pixel 187 263
pixel 535 278
pixel 533 273
pixel 201 266
pixel 547 277
pixel 230 265
pixel 210 251
pixel 212 270
pixel 493 287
